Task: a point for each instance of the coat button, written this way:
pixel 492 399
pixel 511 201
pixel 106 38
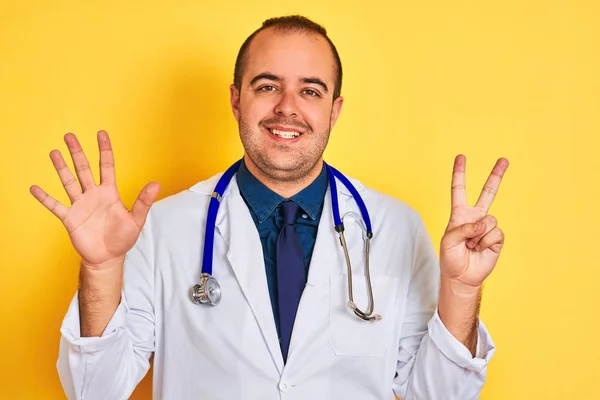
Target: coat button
pixel 283 386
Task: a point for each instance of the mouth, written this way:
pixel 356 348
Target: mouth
pixel 285 133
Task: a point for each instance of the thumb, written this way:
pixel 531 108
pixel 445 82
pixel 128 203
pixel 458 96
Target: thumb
pixel 144 202
pixel 462 233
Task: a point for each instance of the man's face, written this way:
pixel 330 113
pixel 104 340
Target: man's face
pixel 285 106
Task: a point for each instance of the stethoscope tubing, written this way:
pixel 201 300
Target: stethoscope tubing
pixel 332 173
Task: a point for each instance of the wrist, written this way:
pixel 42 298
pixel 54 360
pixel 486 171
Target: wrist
pixel 106 266
pixel 454 287
pixel 458 302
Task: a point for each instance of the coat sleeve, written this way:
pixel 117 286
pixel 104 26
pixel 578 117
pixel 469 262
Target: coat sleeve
pixel 433 364
pixel 111 366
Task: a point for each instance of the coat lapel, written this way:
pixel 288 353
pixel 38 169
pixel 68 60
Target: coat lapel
pixel 246 258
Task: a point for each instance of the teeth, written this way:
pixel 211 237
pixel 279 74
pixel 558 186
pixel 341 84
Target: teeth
pixel 285 134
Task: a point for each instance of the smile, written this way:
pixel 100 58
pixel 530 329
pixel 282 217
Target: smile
pixel 284 134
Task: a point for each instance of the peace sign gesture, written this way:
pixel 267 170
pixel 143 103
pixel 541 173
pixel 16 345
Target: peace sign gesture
pixel 472 242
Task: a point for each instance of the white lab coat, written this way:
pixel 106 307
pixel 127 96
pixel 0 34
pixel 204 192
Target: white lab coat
pixel 231 351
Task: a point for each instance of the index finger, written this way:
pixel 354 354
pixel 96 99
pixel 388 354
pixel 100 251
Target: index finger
pixel 488 193
pixel 458 189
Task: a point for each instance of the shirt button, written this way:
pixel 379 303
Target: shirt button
pixel 304 216
pixel 283 386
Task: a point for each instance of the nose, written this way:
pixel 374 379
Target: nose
pixel 287 106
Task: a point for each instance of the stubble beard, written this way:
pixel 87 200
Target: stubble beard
pixel 297 164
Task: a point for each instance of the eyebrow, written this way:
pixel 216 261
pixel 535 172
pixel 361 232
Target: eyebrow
pixel 272 77
pixel 316 81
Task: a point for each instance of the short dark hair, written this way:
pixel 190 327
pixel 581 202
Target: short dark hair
pixel 290 23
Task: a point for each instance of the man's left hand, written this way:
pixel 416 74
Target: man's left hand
pixel 472 242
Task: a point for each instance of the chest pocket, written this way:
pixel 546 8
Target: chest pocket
pixel 352 336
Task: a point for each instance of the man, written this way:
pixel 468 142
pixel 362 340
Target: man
pixel 277 260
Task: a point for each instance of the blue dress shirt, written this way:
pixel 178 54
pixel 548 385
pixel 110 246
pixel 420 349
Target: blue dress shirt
pixel 265 208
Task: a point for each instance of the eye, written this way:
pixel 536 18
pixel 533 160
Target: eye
pixel 311 93
pixel 267 88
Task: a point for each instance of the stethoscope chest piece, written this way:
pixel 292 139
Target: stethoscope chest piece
pixel 207 292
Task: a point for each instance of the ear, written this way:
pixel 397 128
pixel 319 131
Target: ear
pixel 336 109
pixel 234 98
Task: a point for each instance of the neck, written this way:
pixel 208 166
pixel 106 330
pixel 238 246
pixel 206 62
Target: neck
pixel 284 187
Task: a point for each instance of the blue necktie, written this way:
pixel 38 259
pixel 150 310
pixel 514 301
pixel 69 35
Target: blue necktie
pixel 291 275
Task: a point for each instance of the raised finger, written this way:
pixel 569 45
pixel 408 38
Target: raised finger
pixel 492 184
pixel 49 202
pixel 107 160
pixel 459 191
pixel 66 177
pixel 490 223
pixel 493 240
pixel 82 166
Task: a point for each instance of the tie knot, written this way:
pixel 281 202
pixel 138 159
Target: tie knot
pixel 290 212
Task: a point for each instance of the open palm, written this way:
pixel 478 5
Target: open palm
pixel 472 242
pixel 101 228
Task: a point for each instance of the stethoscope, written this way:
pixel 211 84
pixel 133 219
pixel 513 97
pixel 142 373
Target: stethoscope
pixel 209 291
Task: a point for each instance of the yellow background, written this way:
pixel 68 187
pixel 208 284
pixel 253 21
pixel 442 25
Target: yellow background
pixel 423 81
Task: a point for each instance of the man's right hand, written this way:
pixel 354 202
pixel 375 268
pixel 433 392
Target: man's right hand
pixel 101 228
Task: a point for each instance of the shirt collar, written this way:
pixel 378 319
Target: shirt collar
pixel 311 197
pixel 263 201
